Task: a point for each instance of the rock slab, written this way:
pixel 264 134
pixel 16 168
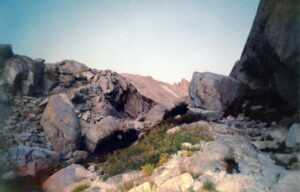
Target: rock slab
pixel 60 123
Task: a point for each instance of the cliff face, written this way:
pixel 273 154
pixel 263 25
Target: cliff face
pixel 271 56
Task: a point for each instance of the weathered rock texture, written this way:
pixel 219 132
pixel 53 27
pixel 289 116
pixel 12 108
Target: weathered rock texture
pixel 32 160
pixel 20 75
pixel 23 75
pixel 271 56
pixel 214 92
pixel 60 123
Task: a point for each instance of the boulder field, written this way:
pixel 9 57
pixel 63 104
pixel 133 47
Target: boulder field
pixel 73 128
pixel 52 114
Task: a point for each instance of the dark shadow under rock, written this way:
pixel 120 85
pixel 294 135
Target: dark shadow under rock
pixel 180 109
pixel 117 140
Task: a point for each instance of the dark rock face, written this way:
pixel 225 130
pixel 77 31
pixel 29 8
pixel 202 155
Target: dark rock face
pixel 136 104
pixel 23 75
pixel 214 92
pixel 5 53
pixel 271 56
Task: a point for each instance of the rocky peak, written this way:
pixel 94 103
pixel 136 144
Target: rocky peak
pixel 183 83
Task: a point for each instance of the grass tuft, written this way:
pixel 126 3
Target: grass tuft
pixel 209 186
pixel 147 169
pixel 81 188
pixel 163 158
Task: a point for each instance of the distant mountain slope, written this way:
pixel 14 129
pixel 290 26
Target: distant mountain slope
pixel 161 92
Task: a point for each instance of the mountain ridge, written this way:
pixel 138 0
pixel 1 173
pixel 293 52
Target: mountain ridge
pixel 165 93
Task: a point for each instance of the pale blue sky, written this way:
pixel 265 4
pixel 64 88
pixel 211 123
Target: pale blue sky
pixel 167 39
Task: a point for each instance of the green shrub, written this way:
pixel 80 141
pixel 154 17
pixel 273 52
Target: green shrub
pixel 209 186
pixel 81 188
pixel 163 158
pixel 147 169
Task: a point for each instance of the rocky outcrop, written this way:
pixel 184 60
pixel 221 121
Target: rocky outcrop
pixel 69 105
pixel 98 99
pixel 60 123
pixel 164 94
pixel 71 67
pixel 271 57
pixel 23 75
pixel 63 75
pixel 114 93
pixel 214 92
pixel 19 75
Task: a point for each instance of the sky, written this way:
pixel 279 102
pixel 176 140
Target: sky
pixel 165 39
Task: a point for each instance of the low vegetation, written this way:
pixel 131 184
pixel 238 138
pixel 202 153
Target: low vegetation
pixel 147 169
pixel 189 151
pixel 154 148
pixel 81 188
pixel 209 186
pixel 162 159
